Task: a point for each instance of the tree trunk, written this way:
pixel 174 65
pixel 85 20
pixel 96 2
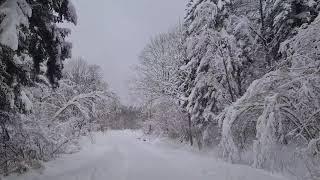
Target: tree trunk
pixel 190 130
pixel 150 129
pixel 5 139
pixel 228 80
pixel 268 58
pixel 261 17
pixel 5 168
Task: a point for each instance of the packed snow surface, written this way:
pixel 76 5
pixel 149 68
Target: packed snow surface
pixel 126 155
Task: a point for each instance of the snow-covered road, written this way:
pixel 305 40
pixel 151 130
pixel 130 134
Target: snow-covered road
pixel 121 155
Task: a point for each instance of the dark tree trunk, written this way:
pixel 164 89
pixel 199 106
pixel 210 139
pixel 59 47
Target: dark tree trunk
pixel 190 129
pixel 268 57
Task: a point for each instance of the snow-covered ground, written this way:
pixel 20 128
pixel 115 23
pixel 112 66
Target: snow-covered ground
pixel 123 155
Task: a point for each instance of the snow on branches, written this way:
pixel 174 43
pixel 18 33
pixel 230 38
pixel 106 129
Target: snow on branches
pixel 14 13
pixel 281 109
pixel 81 102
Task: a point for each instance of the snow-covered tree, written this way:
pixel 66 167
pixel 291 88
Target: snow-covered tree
pixel 82 93
pixel 217 63
pixel 30 39
pixel 279 112
pixel 273 21
pixel 157 74
pixel 157 82
pixel 248 80
pixel 29 36
pixel 229 44
pixel 280 19
pixel 87 77
pixel 58 116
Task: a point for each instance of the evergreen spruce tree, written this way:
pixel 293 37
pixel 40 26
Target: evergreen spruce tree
pixel 30 37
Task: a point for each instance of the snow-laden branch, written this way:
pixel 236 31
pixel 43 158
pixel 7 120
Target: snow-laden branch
pixel 78 100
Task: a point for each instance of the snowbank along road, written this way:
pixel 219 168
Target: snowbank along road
pixel 122 155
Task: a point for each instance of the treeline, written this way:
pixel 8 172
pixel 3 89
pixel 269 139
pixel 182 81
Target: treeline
pixel 122 117
pixel 241 76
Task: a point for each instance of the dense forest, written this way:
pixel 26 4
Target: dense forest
pixel 239 77
pixel 242 77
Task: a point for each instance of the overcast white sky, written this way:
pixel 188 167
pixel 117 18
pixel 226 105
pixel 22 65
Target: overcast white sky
pixel 111 33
